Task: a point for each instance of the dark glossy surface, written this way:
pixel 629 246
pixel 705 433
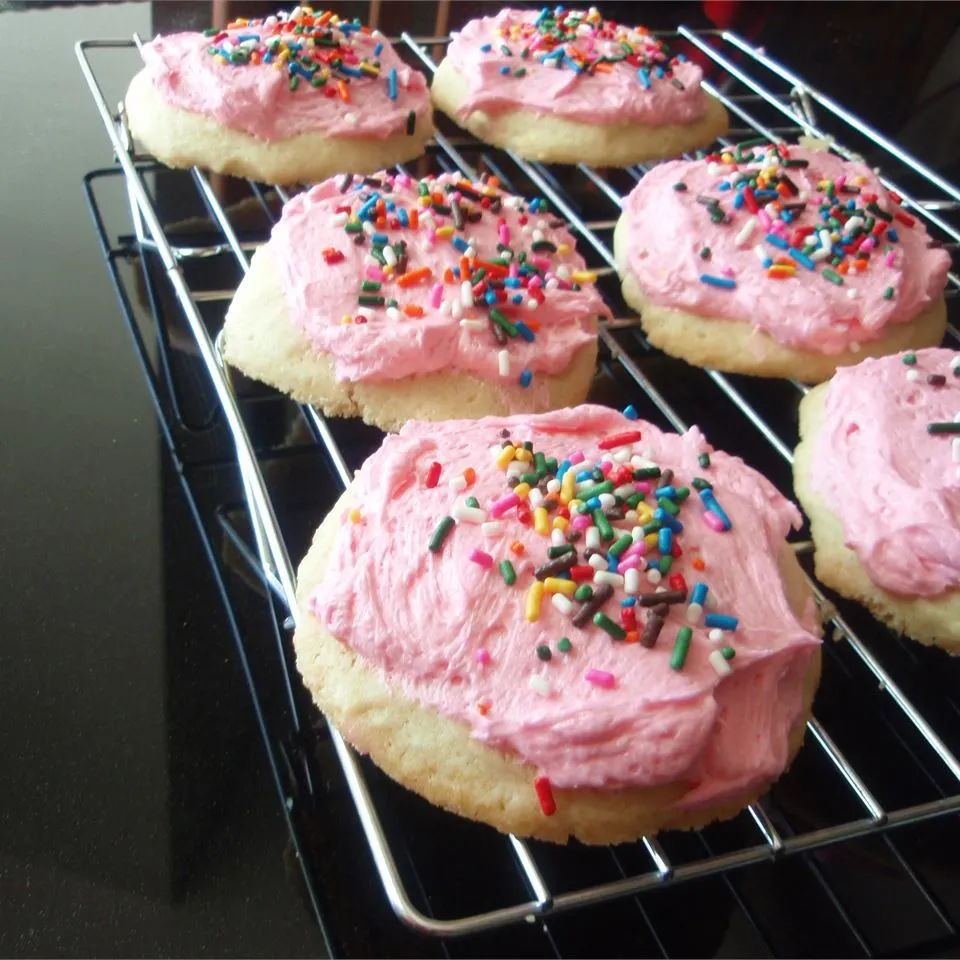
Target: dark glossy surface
pixel 139 814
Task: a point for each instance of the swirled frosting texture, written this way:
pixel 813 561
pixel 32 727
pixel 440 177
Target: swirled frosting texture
pixel 576 66
pixel 265 99
pixel 894 485
pixel 431 328
pixel 866 277
pixel 450 634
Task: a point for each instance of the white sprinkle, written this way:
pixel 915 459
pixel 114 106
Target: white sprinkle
pixel 622 455
pixel 562 603
pixel 956 449
pixel 955 363
pixel 535 497
pixel 393 313
pixel 712 601
pixel 458 484
pixel 694 613
pixel 339 219
pixel 539 685
pixel 350 117
pixel 631 582
pixel 532 304
pixel 627 490
pixel 720 663
pixel 552 284
pixel 592 538
pixel 492 528
pixel 716 635
pixel 472 325
pixel 503 362
pixel 456 309
pixel 598 562
pixel 760 252
pixel 654 575
pixel 913 375
pixel 461 512
pixel 852 225
pixel 553 485
pixel 608 576
pixel 746 232
pixel 557 536
pixel 368 228
pixel 537 236
pixel 630 516
pixel 365 312
pixel 607 500
pixel 563 271
pixel 852 292
pixel 515 468
pixel 389 256
pixel 466 294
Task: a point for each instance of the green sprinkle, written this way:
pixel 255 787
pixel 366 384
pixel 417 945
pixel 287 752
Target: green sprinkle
pixel 944 427
pixel 473 502
pixel 352 227
pixel 652 527
pixel 728 653
pixel 595 491
pixel 440 534
pixel 667 504
pixel 700 484
pixel 603 524
pixel 909 359
pixel 543 652
pixel 551 464
pixel 705 253
pixel 501 321
pixel 369 286
pixel 704 460
pixel 888 293
pixel 681 646
pixel 634 499
pixel 680 187
pixel 540 463
pixel 605 623
pixel 520 72
pixel 646 473
pixel 622 544
pixel 559 550
pixel 666 563
pixel 832 276
pixel 317 80
pixel 366 300
pixel 294 81
pixel 508 573
pixel 411 123
pixel 682 494
pixel 583 593
pixel 564 645
pixel 210 32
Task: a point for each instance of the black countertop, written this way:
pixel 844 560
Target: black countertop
pixel 139 814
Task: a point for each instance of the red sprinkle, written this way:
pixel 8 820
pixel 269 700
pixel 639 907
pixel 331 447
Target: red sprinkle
pixel 582 572
pixel 677 582
pixel 619 439
pixel 905 218
pixel 331 255
pixel 433 475
pixel 545 795
pixel 750 200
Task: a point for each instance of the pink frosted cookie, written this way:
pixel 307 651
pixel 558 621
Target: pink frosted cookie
pixel 567 86
pixel 778 261
pixel 564 625
pixel 393 298
pixel 878 473
pixel 291 98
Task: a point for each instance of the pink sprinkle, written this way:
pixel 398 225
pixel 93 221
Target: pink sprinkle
pixel 868 244
pixel 576 457
pixel 403 180
pixel 890 258
pixel 504 233
pixel 643 486
pixel 713 521
pixel 514 270
pixel 840 181
pixel 484 559
pixel 765 219
pixel 629 563
pixel 606 466
pixel 600 678
pixel 637 550
pixel 501 506
pixel 535 283
pixel 482 656
pixel 432 237
pixel 436 295
pixel 541 263
pixel 581 521
pixel 375 273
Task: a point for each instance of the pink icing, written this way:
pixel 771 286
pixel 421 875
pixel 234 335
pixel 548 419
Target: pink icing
pixel 453 636
pixel 616 96
pixel 257 99
pixel 390 344
pixel 669 229
pixel 894 486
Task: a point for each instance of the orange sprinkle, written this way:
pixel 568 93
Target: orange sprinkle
pixel 517 547
pixel 381 208
pixel 534 325
pixel 860 264
pixel 698 564
pixel 324 17
pixel 437 198
pixel 448 275
pixel 843 267
pixel 493 182
pixel 255 56
pixel 781 272
pixel 411 277
pixel 484 706
pixel 470 475
pixel 381 222
pixel 412 310
pixel 356 516
pixel 415 219
pixel 344 91
pixel 494 269
pixel 464 268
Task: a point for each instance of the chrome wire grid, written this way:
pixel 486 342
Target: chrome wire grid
pixel 747 81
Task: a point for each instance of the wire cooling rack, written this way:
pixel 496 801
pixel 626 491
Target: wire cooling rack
pixel 890 756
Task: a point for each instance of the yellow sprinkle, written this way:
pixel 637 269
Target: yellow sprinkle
pixel 644 514
pixel 505 456
pixel 563 248
pixel 574 503
pixel 221 60
pixel 523 454
pixel 425 201
pixel 446 231
pixel 241 21
pixel 369 69
pixel 357 517
pixel 650 539
pixel 583 276
pixel 284 55
pixel 568 486
pixel 534 599
pixel 541 521
pixel 521 490
pixel 557 585
pixel 726 157
pixel 560 523
pixel 346 318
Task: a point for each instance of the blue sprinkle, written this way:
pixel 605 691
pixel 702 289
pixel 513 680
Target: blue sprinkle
pixel 629 602
pixel 350 71
pixel 669 491
pixel 511 282
pixel 720 620
pixel 368 206
pixel 710 502
pixel 612 563
pixel 583 475
pixel 801 258
pixel 699 593
pixel 851 205
pixel 825 215
pixel 525 377
pixel 392 83
pixel 517 299
pixel 893 236
pixel 378 49
pixel 402 217
pixel 379 239
pixel 563 468
pixel 725 282
pixel 723 186
pixel 456 272
pixel 644 76
pixel 665 540
pixel 567 62
pixel 786 216
pixel 593 503
pixel 534 204
pixel 490 297
pixel 486 48
pixel 766 194
pixel 460 243
pixel 524 331
pixel 665 520
pixel 504 70
pixel 659 73
pixel 248 36
pixel 776 241
pixel 767 262
pixel 738 200
pixel 630 412
pixel 681 58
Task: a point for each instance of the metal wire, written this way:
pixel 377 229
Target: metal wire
pixel 797 104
